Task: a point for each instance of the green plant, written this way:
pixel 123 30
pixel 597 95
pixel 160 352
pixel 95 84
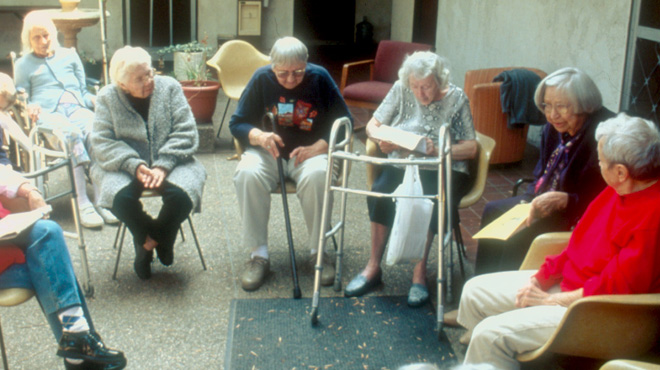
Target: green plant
pixel 188 66
pixel 190 47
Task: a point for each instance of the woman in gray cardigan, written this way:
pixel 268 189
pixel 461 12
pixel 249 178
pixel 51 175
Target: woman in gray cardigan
pixel 144 137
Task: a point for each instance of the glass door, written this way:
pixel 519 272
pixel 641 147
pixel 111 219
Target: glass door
pixel 641 82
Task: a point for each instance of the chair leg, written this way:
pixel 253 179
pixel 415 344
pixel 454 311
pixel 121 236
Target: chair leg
pixel 460 247
pixel 217 135
pixel 4 351
pixel 199 248
pixel 121 230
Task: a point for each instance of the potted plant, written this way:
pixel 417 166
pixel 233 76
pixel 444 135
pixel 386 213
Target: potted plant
pixel 191 71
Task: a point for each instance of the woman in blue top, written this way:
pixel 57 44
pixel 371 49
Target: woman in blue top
pixel 54 79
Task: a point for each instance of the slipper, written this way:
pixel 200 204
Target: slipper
pixel 418 295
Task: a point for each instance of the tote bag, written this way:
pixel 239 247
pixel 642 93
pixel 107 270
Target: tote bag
pixel 411 222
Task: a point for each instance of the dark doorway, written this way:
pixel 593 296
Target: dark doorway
pixel 424 22
pixel 138 32
pixel 318 22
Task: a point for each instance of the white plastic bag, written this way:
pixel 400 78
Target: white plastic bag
pixel 411 222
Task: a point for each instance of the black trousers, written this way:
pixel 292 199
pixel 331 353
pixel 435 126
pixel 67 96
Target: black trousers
pixel 382 210
pixel 503 255
pixel 129 209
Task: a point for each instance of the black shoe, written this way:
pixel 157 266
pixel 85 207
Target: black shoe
pixel 360 285
pixel 142 264
pixel 88 347
pixel 165 253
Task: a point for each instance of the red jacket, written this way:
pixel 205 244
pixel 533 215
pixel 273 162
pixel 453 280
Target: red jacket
pixel 9 254
pixel 614 249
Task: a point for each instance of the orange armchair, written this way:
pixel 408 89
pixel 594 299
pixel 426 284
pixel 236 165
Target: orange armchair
pixel 383 71
pixel 486 107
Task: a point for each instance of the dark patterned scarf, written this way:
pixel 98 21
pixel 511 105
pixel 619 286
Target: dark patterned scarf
pixel 556 164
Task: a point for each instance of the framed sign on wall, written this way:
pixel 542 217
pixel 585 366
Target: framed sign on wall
pixel 249 18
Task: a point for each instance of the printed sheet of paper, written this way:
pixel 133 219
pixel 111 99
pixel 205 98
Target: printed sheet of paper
pixel 404 139
pixel 12 224
pixel 507 224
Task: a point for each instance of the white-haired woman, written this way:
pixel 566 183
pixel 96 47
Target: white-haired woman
pixel 566 176
pixel 420 102
pixel 612 250
pixel 54 79
pixel 144 138
pixel 306 102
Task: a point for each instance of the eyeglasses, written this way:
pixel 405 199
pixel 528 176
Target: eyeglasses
pixel 145 78
pixel 562 109
pixel 285 74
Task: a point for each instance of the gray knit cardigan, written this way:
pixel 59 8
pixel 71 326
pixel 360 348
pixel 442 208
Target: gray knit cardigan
pixel 121 141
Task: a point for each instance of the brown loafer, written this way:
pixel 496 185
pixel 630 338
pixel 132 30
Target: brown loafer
pixel 254 273
pixel 450 318
pixel 328 272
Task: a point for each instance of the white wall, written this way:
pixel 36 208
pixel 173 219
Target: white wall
pixel 403 12
pixel 588 34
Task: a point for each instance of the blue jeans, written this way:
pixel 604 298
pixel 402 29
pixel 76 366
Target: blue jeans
pixel 47 271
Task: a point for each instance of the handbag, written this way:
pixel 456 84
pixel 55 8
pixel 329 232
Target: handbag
pixel 411 221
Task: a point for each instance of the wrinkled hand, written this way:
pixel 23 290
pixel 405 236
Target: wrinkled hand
pixel 431 150
pixel 303 153
pixel 532 295
pixel 271 142
pixel 33 111
pixel 387 147
pixel 547 203
pixel 150 178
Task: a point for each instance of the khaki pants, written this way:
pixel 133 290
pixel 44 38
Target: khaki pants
pixel 500 329
pixel 257 176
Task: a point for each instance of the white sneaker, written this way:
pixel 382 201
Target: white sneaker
pixel 89 218
pixel 108 217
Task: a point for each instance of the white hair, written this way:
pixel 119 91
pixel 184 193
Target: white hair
pixel 124 62
pixel 288 50
pixel 576 86
pixel 37 19
pixel 422 64
pixel 633 142
pixel 7 91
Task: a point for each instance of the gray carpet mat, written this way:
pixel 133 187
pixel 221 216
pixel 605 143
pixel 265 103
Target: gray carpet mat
pixel 352 333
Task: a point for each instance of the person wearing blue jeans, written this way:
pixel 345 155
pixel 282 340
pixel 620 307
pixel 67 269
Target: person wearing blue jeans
pixel 38 259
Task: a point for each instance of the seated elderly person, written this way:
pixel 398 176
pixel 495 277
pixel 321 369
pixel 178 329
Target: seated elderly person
pixel 306 102
pixel 566 177
pixel 7 98
pixel 54 79
pixel 38 259
pixel 144 138
pixel 613 250
pixel 420 102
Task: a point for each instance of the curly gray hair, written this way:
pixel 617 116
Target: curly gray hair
pixel 422 64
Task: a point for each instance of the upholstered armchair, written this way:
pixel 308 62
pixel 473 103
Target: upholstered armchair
pixel 486 107
pixel 383 71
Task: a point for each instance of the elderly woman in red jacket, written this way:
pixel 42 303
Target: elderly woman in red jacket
pixel 613 250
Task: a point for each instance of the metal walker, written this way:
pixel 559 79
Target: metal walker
pixel 442 162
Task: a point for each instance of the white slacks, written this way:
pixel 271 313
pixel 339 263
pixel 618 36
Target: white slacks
pixel 257 175
pixel 500 329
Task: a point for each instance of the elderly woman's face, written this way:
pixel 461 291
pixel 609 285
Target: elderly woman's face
pixel 426 90
pixel 40 40
pixel 290 75
pixel 559 112
pixel 140 82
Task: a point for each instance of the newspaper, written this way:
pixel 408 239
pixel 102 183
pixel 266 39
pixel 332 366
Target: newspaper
pixel 506 225
pixel 14 223
pixel 404 139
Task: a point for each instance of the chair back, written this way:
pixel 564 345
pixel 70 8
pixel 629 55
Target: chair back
pixel 486 75
pixel 236 61
pixel 390 56
pixel 486 146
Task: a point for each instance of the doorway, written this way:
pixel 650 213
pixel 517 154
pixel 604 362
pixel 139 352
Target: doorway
pixel 425 21
pixel 160 23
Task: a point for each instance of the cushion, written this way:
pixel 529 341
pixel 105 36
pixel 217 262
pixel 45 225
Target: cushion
pixel 371 91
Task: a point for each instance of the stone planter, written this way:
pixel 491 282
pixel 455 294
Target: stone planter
pixel 189 66
pixel 202 101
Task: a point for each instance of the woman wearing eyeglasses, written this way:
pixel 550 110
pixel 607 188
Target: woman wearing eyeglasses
pixel 144 138
pixel 566 177
pixel 306 102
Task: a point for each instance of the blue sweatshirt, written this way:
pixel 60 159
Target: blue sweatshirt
pixel 305 114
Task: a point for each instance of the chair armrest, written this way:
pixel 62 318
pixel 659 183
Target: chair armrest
pixel 518 183
pixel 548 244
pixel 347 66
